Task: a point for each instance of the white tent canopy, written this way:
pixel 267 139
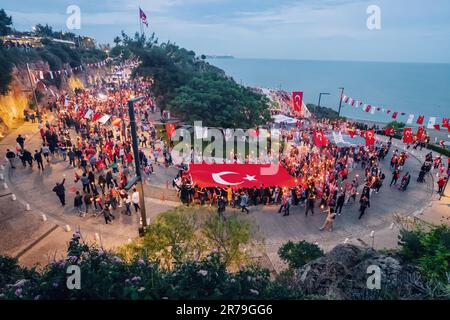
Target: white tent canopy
pixel 279 118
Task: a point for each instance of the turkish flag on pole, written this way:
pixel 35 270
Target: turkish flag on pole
pixel 420 119
pixel 320 139
pixel 407 135
pixel 370 137
pixel 297 101
pixel 420 133
pixel 240 175
pixel 445 123
pixel 394 115
pixel 170 128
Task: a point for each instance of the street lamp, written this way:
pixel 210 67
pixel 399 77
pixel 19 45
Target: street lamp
pixel 134 139
pixel 320 97
pixel 340 102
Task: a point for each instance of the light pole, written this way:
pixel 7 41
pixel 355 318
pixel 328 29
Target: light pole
pixel 320 97
pixel 137 164
pixel 340 102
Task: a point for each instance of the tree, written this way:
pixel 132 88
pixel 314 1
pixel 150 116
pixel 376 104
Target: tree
pixel 220 102
pixel 296 255
pixel 5 71
pixel 227 236
pixel 117 41
pixel 44 31
pixel 5 23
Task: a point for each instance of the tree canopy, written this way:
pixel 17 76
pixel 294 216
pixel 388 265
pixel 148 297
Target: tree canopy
pixel 5 23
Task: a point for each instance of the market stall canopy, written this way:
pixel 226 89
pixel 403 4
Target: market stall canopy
pixel 240 175
pixel 104 119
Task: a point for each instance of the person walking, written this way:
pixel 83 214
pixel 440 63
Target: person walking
pixel 128 205
pixel 78 203
pixel 27 157
pixel 60 191
pixel 395 177
pixel 107 215
pixel 365 203
pixel 46 152
pixel 244 202
pixel 221 204
pixel 21 141
pixel 441 184
pixel 135 199
pixel 310 203
pixel 340 203
pixel 85 182
pixel 38 159
pixel 87 199
pixel 11 156
pixel 328 224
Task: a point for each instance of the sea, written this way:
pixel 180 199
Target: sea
pixel 411 88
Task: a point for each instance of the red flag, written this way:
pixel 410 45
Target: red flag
pixel 370 137
pixel 389 131
pixel 320 139
pixel 297 101
pixel 445 123
pixel 96 116
pixel 437 127
pixel 420 119
pixel 170 128
pixel 368 108
pixel 407 135
pixel 420 133
pixel 240 175
pixel 143 17
pixel 394 115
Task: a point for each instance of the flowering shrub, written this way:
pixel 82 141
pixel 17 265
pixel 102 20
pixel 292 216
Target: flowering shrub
pixel 105 276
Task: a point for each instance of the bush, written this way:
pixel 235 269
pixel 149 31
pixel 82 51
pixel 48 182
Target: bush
pixel 430 251
pixel 296 255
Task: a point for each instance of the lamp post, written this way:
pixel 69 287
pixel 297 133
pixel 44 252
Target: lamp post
pixel 340 102
pixel 137 164
pixel 320 97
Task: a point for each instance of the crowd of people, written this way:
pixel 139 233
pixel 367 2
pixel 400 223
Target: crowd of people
pixel 329 177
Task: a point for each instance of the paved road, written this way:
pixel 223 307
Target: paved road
pixel 25 235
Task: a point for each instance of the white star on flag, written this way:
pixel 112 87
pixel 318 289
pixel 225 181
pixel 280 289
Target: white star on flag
pixel 250 178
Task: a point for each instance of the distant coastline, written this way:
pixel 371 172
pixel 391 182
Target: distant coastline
pixel 219 57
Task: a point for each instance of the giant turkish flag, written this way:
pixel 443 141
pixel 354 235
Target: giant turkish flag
pixel 297 101
pixel 240 175
pixel 407 135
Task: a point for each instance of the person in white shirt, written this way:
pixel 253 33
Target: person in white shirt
pixel 135 199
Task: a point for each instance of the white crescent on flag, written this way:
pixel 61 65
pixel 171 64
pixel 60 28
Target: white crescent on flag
pixel 217 177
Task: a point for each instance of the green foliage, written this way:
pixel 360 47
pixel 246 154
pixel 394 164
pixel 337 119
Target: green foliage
pixel 296 255
pixel 228 236
pixel 191 87
pixel 105 276
pixel 430 251
pixel 219 101
pixel 189 234
pixel 5 72
pixel 322 112
pixel 5 23
pixel 396 125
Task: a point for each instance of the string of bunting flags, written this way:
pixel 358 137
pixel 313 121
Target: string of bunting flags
pixel 37 75
pixel 411 118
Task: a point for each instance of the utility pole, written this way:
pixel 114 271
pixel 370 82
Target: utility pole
pixel 137 164
pixel 320 96
pixel 340 102
pixel 32 87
